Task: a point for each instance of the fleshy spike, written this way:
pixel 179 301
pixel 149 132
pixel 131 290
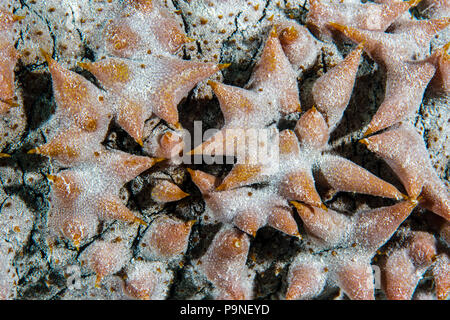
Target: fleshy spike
pixel 221 67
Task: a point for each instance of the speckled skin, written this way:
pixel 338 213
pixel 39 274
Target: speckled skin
pixel 127 213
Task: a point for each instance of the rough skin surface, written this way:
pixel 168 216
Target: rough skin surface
pixel 93 96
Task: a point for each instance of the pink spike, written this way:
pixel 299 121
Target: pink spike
pixel 288 142
pixel 356 279
pixel 404 151
pixel 399 276
pixel 147 280
pixel 166 191
pixel 344 175
pixel 435 196
pixel 373 228
pixel 422 248
pixel 306 281
pixel 71 224
pixel 405 87
pixel 441 273
pixel 281 218
pixel 241 175
pixel 106 258
pixel 299 186
pixel 299 45
pixel 327 225
pixel 111 208
pixel 139 27
pixel 224 263
pixel 234 102
pixel 165 238
pixel 124 166
pixel 73 146
pixel 182 77
pixel 367 16
pixel 441 60
pixel 78 97
pixel 332 91
pixel 205 182
pixel 312 130
pixel 249 221
pixel 273 74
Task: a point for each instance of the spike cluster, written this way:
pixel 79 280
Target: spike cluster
pixel 142 77
pixel 364 16
pixel 406 80
pixel 303 151
pixel 87 191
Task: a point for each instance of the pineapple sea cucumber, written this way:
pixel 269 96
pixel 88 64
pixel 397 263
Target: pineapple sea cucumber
pixel 99 163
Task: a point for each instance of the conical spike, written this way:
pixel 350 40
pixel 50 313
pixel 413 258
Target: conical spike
pixel 248 221
pixel 111 208
pixel 240 175
pixel 205 182
pixel 344 175
pixel 306 281
pixel 281 218
pixel 312 130
pixel 288 143
pixel 299 185
pixel 405 152
pixel 332 99
pixel 166 191
pixel 234 101
pixel 329 226
pixel 375 227
pixel 182 76
pixel 357 281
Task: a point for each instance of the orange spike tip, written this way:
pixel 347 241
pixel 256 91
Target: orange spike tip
pixel 46 56
pixel 338 26
pixel 364 142
pixel 140 221
pixel 84 65
pixel 222 66
pixel 98 280
pixel 51 177
pixel 158 159
pixel 413 3
pixel 34 151
pixel 222 187
pixel 76 243
pixel 212 84
pixel 178 126
pixel 5 155
pixel 140 142
pixel 446 47
pixel 18 18
pixel 11 103
pixel 360 46
pixel 368 132
pixel 323 207
pixel 191 223
pixel 273 32
pixel 403 197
